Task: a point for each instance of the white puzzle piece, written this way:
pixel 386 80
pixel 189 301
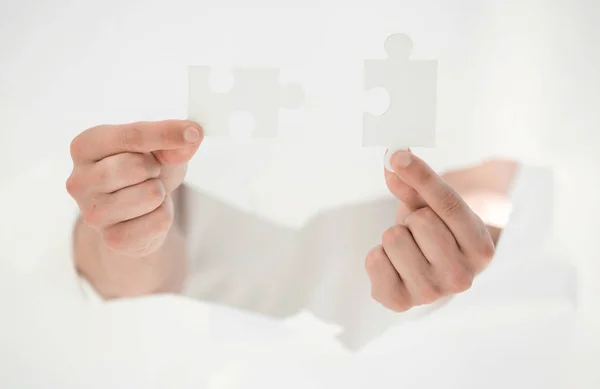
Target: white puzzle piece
pixel 256 91
pixel 410 119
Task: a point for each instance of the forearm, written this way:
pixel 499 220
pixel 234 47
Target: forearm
pixel 114 275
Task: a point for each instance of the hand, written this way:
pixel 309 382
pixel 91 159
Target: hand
pixel 437 246
pixel 123 176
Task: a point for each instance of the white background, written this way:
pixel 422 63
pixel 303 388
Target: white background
pixel 516 78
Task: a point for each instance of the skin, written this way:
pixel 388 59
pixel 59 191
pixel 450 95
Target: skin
pixel 438 245
pixel 124 181
pixel 127 241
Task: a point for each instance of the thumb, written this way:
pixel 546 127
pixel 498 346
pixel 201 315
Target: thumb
pixel 401 190
pixel 194 136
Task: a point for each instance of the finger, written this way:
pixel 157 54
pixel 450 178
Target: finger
pixel 104 141
pixel 403 192
pixel 402 212
pixel 433 237
pixel 405 255
pixel 387 287
pixel 125 204
pixel 451 267
pixel 173 176
pixel 438 195
pixel 122 170
pixel 142 234
pixel 411 264
pixel 178 156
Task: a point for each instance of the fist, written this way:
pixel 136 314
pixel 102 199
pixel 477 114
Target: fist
pixel 123 177
pixel 437 246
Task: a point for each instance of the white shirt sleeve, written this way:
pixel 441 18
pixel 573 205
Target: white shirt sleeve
pixel 531 222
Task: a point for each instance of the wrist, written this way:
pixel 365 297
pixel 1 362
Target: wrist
pixel 116 275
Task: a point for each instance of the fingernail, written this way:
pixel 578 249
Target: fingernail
pixel 191 135
pixel 386 161
pixel 391 156
pixel 401 158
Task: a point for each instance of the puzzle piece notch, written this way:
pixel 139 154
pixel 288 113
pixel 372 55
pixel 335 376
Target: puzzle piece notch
pixel 256 91
pixel 410 119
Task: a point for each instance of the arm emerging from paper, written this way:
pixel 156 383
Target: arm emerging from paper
pixel 484 187
pixel 114 275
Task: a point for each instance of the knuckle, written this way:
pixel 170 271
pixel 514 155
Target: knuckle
pixel 450 201
pixel 486 250
pixel 73 185
pixel 155 191
pixel 393 235
pixel 459 279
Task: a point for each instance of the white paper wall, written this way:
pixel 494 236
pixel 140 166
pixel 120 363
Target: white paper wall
pixel 517 79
